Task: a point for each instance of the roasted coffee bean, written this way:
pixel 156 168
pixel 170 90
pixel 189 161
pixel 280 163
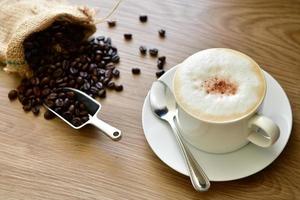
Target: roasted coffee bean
pixel 116 73
pixel 27 107
pixel 161 62
pixel 49 103
pixel 79 80
pixel 162 59
pixel 35 81
pixel 162 33
pixel 49 115
pixel 160 73
pixel 71 108
pixel 13 94
pixel 143 18
pixel 81 106
pixel 119 88
pixel 111 85
pixel 58 73
pixel 35 110
pixel 108 74
pixel 83 74
pixel 84 119
pixel 100 38
pixel 102 93
pixel 83 113
pixel 36 91
pixel 59 102
pixel 73 70
pixel 106 81
pixel 28 92
pixel 70 94
pixel 153 52
pixel 128 36
pixel 67 102
pixel 111 23
pixel 94 90
pixel 136 70
pixel 52 95
pixel 86 86
pixel 76 121
pixel 46 91
pixel 61 95
pixel 115 59
pixel 85 66
pixel 67 115
pixel 99 85
pixel 45 81
pixel 143 50
pixel 59 80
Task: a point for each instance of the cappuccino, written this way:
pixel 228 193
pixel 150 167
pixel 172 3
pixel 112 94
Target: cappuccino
pixel 219 85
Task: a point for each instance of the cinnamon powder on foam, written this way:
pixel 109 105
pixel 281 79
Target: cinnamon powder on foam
pixel 217 85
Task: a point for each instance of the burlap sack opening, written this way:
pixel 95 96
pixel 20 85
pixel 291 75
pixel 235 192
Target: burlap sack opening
pixel 20 18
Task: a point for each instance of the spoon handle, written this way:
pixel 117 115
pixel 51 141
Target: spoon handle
pixel 110 131
pixel 198 177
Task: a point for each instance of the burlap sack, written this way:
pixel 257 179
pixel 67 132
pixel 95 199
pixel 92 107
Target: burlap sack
pixel 20 18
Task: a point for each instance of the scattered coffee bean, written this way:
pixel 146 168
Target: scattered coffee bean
pixel 162 33
pixel 119 88
pixel 162 58
pixel 153 52
pixel 13 94
pixel 136 70
pixel 143 18
pixel 143 50
pixel 128 36
pixel 160 73
pixel 111 23
pixel 161 62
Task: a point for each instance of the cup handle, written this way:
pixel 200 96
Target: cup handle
pixel 264 132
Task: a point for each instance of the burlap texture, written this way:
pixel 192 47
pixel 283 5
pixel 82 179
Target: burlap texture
pixel 20 18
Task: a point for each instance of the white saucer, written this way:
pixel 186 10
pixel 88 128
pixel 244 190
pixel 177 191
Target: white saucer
pixel 222 167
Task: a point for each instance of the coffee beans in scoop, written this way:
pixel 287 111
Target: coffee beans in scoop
pixel 60 57
pixel 66 105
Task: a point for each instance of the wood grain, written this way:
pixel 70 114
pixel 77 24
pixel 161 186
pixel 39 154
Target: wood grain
pixel 42 159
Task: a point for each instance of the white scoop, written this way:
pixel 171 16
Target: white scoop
pixel 93 107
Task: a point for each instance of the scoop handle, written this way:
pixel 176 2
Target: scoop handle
pixel 112 132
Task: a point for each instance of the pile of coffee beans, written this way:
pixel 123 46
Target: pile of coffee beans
pixel 60 57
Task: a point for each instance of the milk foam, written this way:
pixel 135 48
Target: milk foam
pixel 224 64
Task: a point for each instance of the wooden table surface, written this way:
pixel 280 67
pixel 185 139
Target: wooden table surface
pixel 42 159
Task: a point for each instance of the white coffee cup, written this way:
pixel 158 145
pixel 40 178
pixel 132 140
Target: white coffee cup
pixel 207 87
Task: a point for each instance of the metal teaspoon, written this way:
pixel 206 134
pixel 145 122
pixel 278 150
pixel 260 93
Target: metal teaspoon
pixel 164 106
